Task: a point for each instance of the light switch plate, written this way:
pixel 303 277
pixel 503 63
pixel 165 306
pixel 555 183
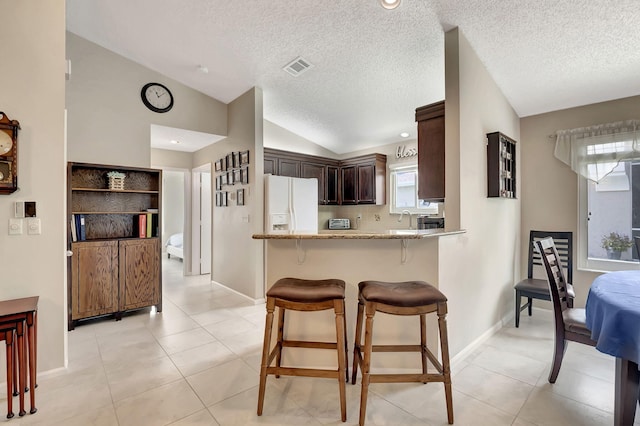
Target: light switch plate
pixel 15 226
pixel 33 226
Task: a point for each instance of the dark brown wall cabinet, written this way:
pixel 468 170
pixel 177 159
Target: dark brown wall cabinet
pixel 360 180
pixel 431 143
pixel 364 179
pixel 501 166
pixel 112 269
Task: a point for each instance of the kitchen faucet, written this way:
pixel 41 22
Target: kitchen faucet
pixel 402 214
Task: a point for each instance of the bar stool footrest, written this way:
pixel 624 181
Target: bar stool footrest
pixel 406 378
pixel 304 372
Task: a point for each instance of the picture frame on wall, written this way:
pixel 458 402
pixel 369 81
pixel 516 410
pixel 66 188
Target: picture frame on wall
pixel 223 180
pixel 244 175
pixel 230 180
pixel 218 183
pixel 217 199
pixel 218 165
pixel 236 160
pixel 230 161
pixel 240 197
pixel 237 176
pixel 225 198
pixel 244 158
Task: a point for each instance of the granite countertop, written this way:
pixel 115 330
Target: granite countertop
pixel 354 234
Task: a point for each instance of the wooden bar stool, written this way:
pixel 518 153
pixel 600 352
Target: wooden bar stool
pixel 401 298
pixel 304 295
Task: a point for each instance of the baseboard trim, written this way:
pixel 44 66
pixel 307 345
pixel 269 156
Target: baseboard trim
pixel 250 299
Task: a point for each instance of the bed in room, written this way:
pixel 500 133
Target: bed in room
pixel 174 246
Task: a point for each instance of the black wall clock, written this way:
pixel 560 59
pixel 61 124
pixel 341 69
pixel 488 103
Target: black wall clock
pixel 157 97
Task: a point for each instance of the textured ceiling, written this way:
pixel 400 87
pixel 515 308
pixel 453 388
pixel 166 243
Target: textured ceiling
pixel 372 67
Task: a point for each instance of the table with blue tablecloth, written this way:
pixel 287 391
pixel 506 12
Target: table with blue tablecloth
pixel 613 316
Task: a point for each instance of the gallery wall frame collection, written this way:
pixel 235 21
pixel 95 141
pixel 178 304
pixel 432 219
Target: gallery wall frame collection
pixel 230 170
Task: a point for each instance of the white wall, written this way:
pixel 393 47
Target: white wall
pixel 280 138
pixel 164 158
pixel 237 259
pixel 107 121
pixel 32 86
pixel 550 187
pixel 172 203
pixel 477 270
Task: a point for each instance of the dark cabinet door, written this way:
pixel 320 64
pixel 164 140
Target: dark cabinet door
pixel 349 179
pixel 431 152
pixel 332 190
pixel 367 184
pixel 288 167
pixel 310 170
pixel 270 165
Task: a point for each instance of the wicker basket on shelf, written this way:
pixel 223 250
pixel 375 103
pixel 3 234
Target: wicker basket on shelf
pixel 116 181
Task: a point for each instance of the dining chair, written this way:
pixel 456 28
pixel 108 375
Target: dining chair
pixel 636 241
pixel 569 321
pixel 535 288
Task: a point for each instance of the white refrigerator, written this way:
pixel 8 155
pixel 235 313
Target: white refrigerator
pixel 291 205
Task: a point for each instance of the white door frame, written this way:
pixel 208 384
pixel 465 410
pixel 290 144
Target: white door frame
pixel 195 216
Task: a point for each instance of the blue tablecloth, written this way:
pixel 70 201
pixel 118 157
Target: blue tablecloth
pixel 613 314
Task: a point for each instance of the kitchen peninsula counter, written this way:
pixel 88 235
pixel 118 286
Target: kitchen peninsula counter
pixel 354 234
pixel 354 256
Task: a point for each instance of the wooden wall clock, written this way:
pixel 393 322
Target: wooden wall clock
pixel 8 154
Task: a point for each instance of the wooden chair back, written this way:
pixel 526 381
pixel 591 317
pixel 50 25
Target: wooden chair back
pixel 564 246
pixel 559 288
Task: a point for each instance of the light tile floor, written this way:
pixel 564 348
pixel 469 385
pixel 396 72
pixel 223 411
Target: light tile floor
pixel 197 363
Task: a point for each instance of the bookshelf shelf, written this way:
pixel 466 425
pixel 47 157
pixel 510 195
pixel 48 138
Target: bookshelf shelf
pixel 115 266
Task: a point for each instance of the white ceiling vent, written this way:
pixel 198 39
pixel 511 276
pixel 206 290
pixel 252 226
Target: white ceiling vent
pixel 297 66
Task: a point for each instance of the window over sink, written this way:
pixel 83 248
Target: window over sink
pixel 404 191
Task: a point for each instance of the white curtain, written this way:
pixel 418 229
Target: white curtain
pixel 595 151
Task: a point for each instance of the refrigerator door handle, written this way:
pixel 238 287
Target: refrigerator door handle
pixel 292 211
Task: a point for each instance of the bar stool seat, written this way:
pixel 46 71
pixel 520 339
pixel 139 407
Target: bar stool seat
pixel 401 298
pixel 304 295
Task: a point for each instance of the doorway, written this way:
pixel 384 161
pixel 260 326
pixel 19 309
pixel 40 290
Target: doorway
pixel 201 220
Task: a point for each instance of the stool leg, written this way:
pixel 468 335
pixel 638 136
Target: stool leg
pixel 446 368
pixel 518 300
pixel 15 368
pixel 22 371
pixel 265 352
pixel 8 337
pixel 346 347
pixel 423 343
pixel 31 344
pixel 357 353
pixel 280 337
pixel 338 306
pixel 366 362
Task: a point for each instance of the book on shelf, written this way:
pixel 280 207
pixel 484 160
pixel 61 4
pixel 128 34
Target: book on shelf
pixel 142 226
pixel 149 224
pixel 150 210
pixel 80 227
pixel 74 232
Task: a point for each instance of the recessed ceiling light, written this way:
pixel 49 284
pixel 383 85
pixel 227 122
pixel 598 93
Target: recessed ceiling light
pixel 175 142
pixel 390 4
pixel 404 135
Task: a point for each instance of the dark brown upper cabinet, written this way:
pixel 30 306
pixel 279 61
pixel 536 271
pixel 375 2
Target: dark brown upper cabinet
pixel 431 160
pixel 359 180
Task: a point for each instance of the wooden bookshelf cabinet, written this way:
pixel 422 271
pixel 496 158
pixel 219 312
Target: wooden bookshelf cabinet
pixel 113 270
pixel 501 166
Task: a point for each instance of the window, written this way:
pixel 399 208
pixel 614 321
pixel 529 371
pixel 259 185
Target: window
pixel 404 192
pixel 610 206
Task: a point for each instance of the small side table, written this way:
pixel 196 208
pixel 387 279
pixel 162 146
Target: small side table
pixel 24 311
